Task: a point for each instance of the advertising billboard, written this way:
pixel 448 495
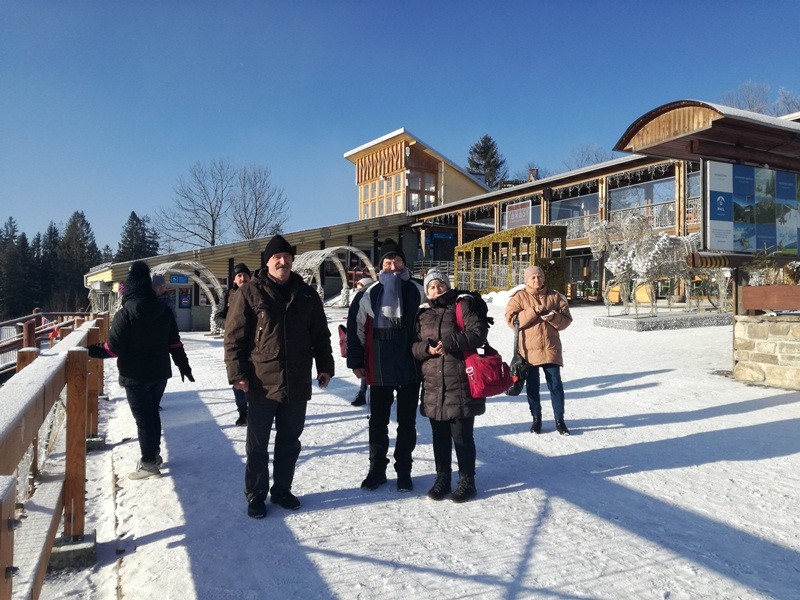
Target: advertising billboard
pixel 752 209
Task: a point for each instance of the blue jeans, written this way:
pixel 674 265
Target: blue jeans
pixel 241 399
pixel 552 374
pixel 144 399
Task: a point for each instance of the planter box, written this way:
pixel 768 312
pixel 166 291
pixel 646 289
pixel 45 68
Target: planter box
pixel 770 297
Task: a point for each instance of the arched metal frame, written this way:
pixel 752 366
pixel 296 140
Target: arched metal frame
pixel 308 264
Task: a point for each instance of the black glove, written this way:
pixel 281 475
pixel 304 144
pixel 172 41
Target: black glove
pixel 187 373
pixel 98 351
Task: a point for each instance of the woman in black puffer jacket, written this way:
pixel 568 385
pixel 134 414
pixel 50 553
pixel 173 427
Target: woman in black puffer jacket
pixel 446 396
pixel 142 337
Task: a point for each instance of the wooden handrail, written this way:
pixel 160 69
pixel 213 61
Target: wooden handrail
pixel 27 398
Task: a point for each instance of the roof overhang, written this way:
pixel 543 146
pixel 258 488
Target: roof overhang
pixel 694 130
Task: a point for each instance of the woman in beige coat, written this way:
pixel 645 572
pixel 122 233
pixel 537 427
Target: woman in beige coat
pixel 542 314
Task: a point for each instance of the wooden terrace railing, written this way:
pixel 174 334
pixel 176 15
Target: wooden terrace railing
pixel 30 523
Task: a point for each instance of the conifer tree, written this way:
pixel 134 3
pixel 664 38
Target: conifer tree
pixel 138 240
pixel 485 159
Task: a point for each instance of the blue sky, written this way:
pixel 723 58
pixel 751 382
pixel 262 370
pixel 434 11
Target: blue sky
pixel 105 105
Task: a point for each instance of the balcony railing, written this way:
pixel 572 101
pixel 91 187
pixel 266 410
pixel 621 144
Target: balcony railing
pixel 660 216
pixel 578 227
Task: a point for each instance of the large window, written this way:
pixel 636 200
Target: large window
pixel 579 206
pixel 382 197
pixel 422 187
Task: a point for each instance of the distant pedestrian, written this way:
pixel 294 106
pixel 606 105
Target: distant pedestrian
pixel 275 330
pixel 439 344
pixel 241 275
pixel 542 313
pixel 160 288
pixel 381 353
pixel 361 285
pixel 142 337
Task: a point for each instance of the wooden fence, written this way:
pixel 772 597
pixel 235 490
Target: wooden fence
pixel 43 379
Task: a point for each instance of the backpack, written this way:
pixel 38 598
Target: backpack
pixel 479 306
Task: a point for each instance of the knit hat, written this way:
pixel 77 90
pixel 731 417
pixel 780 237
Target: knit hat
pixel 388 247
pixel 159 280
pixel 277 244
pixel 436 275
pixel 529 271
pixel 242 268
pixel 138 279
pixel 365 281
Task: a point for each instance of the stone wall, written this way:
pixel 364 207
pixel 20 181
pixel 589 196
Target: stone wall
pixel 766 350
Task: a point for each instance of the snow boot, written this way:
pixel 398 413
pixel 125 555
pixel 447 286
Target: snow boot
pixel 404 483
pixel 441 487
pixel 256 507
pixel 284 498
pixel 360 399
pixel 561 427
pixel 465 489
pixel 374 479
pixel 537 423
pixel 242 420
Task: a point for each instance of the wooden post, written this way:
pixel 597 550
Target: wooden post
pixel 75 472
pixel 29 334
pixel 26 356
pixel 8 497
pixel 94 385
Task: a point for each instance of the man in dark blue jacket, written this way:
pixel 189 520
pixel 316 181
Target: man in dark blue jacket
pixel 381 353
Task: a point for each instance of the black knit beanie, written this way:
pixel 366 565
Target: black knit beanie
pixel 389 247
pixel 277 244
pixel 138 279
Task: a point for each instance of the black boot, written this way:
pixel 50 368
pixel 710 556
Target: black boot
pixel 441 487
pixel 374 479
pixel 242 420
pixel 465 489
pixel 537 423
pixel 360 399
pixel 561 427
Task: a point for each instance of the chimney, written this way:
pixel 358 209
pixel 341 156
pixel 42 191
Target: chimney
pixel 533 173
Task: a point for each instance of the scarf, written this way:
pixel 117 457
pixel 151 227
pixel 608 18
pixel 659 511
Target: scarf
pixel 390 303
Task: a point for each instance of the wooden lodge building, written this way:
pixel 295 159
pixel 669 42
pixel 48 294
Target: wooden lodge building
pixel 679 155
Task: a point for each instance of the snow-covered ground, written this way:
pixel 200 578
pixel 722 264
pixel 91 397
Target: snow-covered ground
pixel 677 482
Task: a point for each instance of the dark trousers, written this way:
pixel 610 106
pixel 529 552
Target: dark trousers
pixel 241 399
pixel 289 418
pixel 381 398
pixel 552 374
pixel 456 432
pixel 144 399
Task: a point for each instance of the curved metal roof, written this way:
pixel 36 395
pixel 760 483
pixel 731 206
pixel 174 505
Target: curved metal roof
pixel 691 130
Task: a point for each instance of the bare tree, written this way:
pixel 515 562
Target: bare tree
pixel 750 96
pixel 198 215
pixel 532 172
pixel 258 206
pixel 586 156
pixel 787 102
pixel 756 97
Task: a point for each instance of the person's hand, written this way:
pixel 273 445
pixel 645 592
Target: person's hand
pixel 323 379
pixel 360 372
pixel 243 385
pixel 548 316
pixel 187 373
pixel 437 350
